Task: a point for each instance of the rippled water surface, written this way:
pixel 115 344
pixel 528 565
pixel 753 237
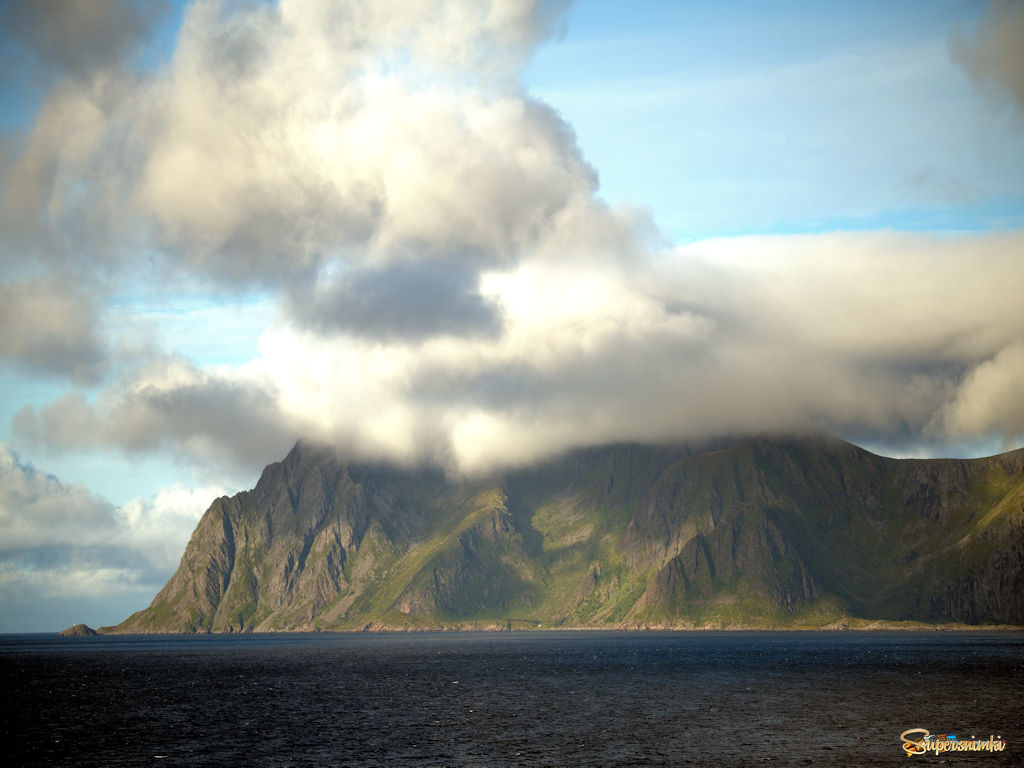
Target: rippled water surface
pixel 529 699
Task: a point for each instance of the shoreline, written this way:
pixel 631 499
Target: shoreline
pixel 861 625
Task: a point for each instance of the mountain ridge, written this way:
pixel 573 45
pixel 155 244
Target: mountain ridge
pixel 780 531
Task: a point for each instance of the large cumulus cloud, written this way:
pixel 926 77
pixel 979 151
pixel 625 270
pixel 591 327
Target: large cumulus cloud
pixel 283 143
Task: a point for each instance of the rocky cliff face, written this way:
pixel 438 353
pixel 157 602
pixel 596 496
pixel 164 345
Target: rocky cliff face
pixel 760 532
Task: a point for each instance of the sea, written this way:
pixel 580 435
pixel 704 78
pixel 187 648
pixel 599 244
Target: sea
pixel 530 698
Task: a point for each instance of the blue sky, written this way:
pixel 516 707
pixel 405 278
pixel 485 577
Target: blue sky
pixel 477 236
pixel 805 118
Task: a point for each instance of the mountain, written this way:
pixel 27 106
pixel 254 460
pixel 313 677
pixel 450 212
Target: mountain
pixel 764 532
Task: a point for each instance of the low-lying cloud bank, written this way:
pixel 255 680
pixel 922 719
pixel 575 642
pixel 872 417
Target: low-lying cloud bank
pixel 61 542
pixel 886 336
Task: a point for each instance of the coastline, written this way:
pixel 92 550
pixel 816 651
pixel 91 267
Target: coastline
pixel 848 625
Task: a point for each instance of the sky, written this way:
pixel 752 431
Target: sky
pixel 477 234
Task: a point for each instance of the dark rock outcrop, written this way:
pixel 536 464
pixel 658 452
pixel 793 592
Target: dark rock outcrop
pixel 80 630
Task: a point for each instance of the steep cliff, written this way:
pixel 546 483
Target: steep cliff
pixel 759 532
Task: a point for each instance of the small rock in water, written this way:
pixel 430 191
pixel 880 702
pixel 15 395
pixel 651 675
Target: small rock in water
pixel 78 629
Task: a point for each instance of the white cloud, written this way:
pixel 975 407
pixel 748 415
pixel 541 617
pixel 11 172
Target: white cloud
pixel 51 328
pixel 59 541
pixel 160 526
pixel 410 135
pixel 411 148
pixel 990 399
pixel 221 415
pixel 37 509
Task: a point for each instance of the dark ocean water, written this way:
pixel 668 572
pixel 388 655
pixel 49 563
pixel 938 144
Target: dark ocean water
pixel 529 699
